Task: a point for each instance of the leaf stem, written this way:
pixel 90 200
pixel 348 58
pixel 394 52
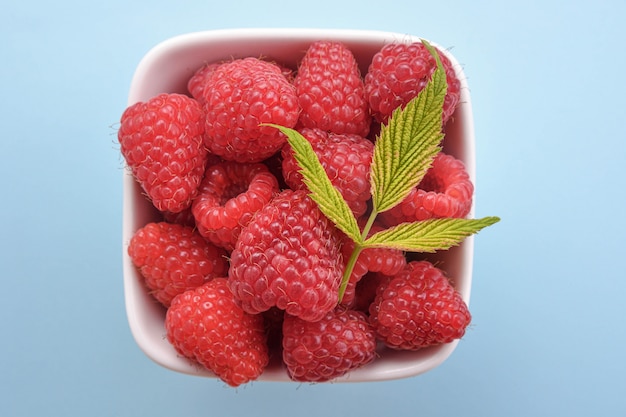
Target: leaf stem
pixel 368 225
pixel 349 267
pixel 358 248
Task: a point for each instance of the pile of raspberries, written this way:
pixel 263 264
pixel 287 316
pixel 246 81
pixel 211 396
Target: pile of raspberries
pixel 244 262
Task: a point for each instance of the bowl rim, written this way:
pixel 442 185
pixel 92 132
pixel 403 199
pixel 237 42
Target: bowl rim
pixel 396 364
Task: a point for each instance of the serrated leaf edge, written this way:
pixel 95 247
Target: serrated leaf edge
pixel 428 235
pixel 321 190
pixel 407 144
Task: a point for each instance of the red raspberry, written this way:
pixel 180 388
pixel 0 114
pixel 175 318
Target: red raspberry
pixel 346 159
pixel 206 325
pixel 240 95
pixel 384 260
pixel 161 140
pixel 173 258
pixel 326 349
pixel 229 195
pixel 389 259
pixel 445 191
pixel 186 216
pixel 199 79
pixel 399 71
pixel 197 83
pixel 287 256
pixel 418 308
pixel 330 90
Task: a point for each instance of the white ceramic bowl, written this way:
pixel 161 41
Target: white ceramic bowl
pixel 166 68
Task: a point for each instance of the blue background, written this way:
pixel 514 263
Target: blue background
pixel 549 328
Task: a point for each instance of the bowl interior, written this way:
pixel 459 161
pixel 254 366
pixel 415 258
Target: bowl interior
pixel 166 69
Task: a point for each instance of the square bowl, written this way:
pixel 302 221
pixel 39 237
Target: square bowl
pixel 166 69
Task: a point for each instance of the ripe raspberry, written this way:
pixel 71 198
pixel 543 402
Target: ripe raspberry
pixel 330 90
pixel 287 256
pixel 173 258
pixel 418 308
pixel 384 260
pixel 238 96
pixel 326 349
pixel 346 159
pixel 197 83
pixel 199 79
pixel 206 325
pixel 398 72
pixel 445 191
pixel 229 195
pixel 161 140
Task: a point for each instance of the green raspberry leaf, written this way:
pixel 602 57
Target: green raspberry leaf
pixel 328 198
pixel 408 143
pixel 403 153
pixel 428 235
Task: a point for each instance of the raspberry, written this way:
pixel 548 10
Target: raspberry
pixel 346 159
pixel 199 79
pixel 398 72
pixel 197 82
pixel 206 325
pixel 229 195
pixel 445 191
pixel 161 141
pixel 173 258
pixel 418 308
pixel 238 96
pixel 384 260
pixel 287 256
pixel 326 349
pixel 331 91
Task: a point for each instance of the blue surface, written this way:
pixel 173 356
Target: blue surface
pixel 548 304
